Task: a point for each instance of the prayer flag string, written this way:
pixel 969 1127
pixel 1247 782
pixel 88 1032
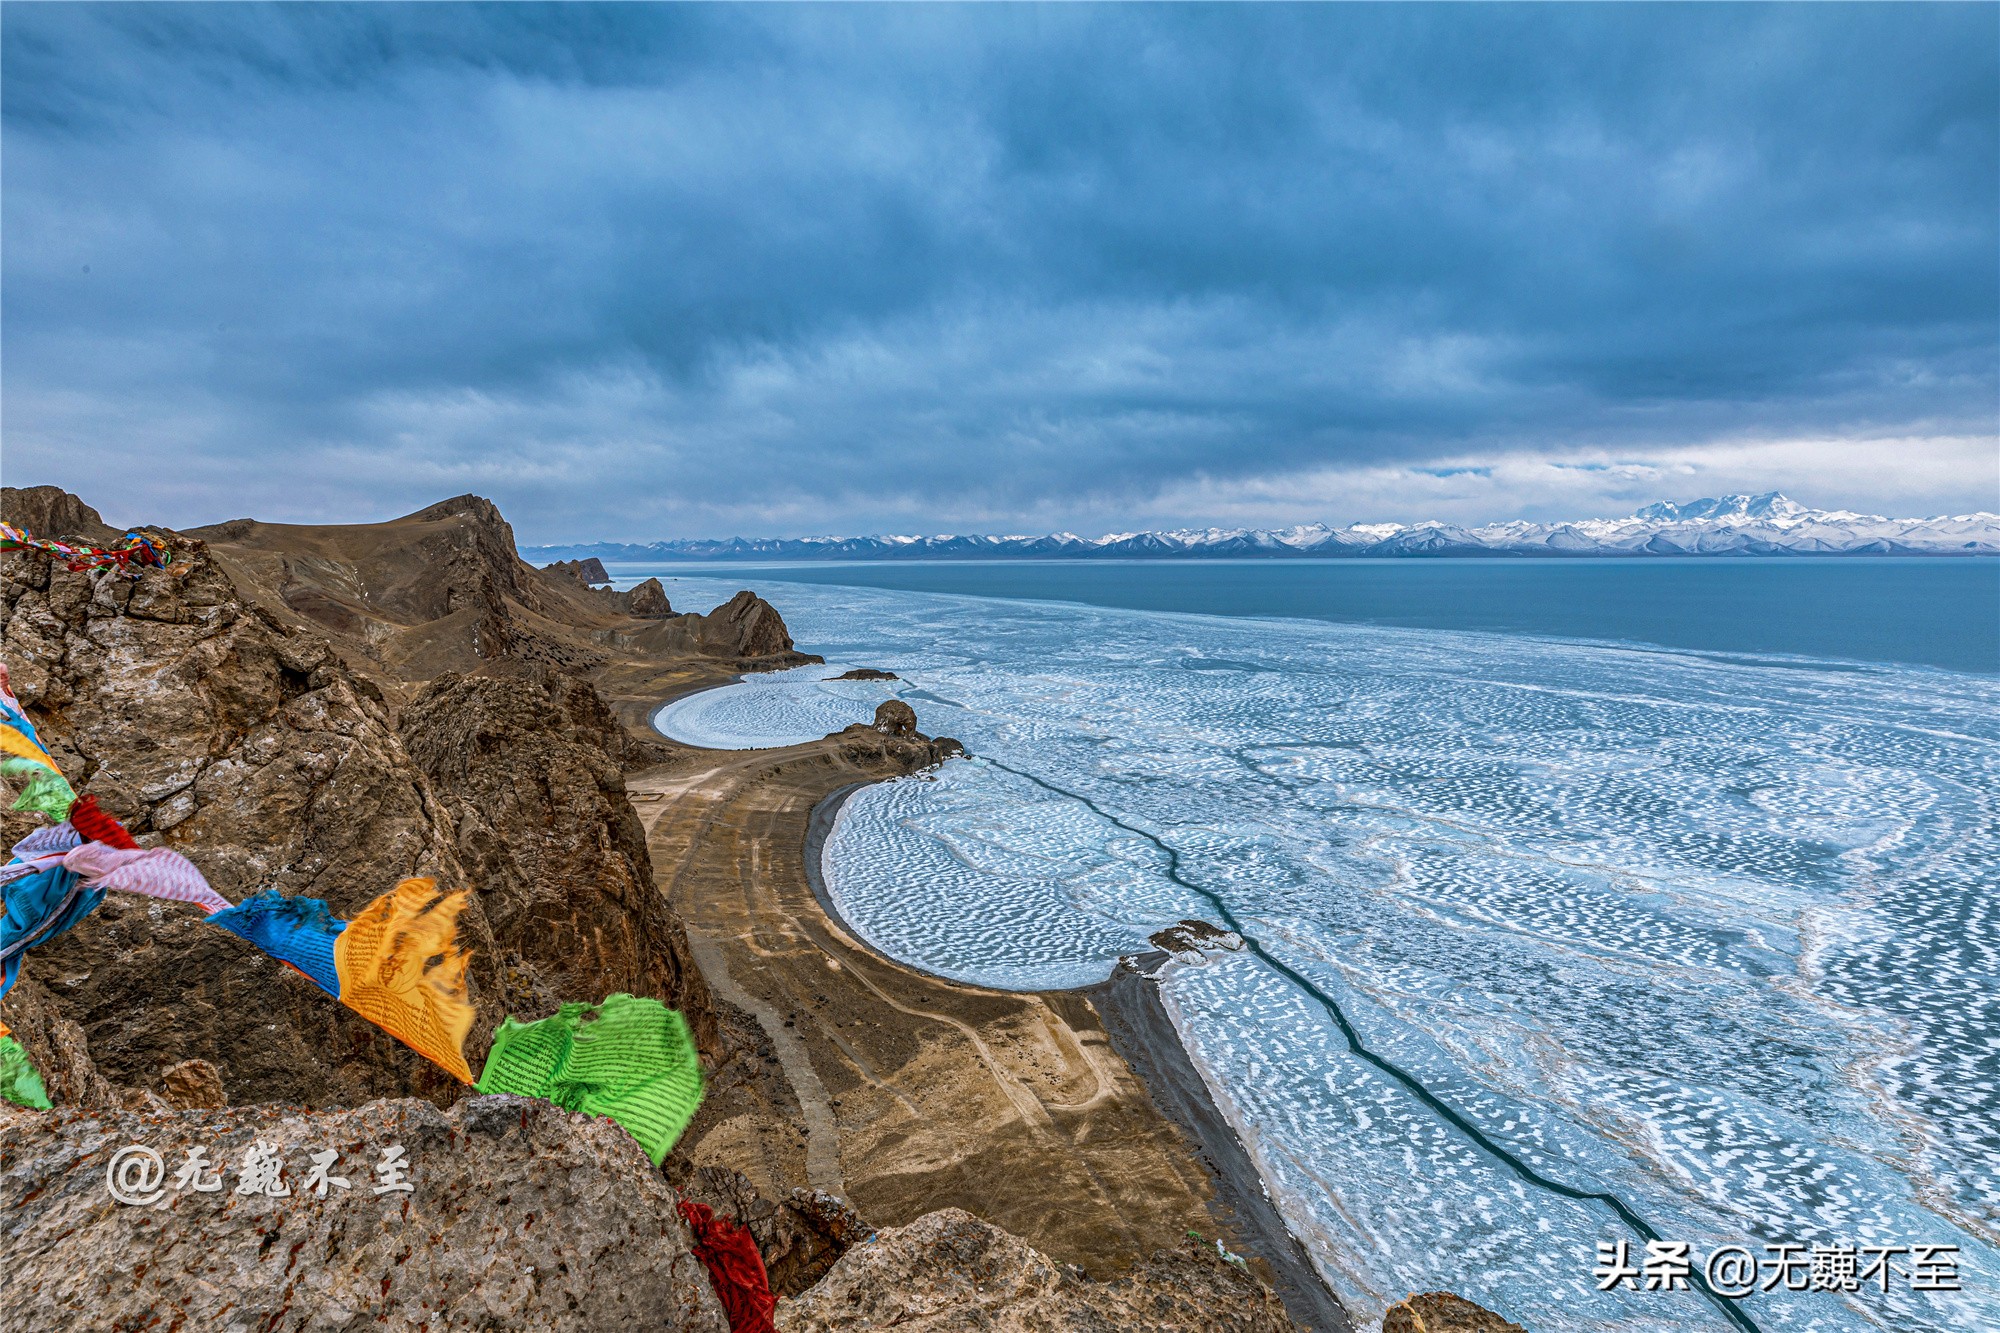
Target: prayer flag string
pixel 397 963
pixel 378 964
pixel 132 554
pixel 26 760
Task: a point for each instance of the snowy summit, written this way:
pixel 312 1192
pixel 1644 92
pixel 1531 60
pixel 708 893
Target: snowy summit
pixel 1767 524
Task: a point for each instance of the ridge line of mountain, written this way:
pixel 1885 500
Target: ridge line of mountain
pixel 1767 524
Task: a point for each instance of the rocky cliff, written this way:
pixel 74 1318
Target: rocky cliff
pixel 530 770
pixel 249 745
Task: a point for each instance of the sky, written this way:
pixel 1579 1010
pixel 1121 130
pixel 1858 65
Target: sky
pixel 642 272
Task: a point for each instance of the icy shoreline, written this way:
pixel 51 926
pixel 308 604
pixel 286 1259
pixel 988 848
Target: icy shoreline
pixel 1134 1007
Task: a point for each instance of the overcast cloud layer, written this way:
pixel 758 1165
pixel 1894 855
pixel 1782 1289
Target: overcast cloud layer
pixel 643 272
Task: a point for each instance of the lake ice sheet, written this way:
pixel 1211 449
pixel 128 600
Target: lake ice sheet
pixel 770 709
pixel 1716 937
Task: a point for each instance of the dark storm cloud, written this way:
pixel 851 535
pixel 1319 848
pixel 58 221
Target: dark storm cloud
pixel 648 270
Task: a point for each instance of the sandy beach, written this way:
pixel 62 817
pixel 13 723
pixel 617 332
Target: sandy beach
pixel 1071 1118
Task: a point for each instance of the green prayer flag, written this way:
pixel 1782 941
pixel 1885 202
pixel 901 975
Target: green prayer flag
pixel 631 1059
pixel 19 1083
pixel 46 790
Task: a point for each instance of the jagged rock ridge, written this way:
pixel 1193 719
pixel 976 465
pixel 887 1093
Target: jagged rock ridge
pixel 444 589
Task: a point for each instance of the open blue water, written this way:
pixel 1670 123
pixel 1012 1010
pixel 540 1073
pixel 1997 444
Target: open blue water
pixel 1553 940
pixel 1930 612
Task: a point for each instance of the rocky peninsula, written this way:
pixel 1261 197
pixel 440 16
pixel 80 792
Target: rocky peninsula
pixel 324 710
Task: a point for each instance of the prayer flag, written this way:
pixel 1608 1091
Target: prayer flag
pixel 629 1058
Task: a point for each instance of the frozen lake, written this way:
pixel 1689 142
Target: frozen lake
pixel 1712 937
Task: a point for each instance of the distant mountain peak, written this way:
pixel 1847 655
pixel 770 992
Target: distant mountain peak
pixel 1768 524
pixel 1771 506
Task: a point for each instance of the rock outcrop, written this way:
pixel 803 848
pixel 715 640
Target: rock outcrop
pixel 949 1271
pixel 800 1238
pixel 649 600
pixel 589 572
pixel 250 747
pixel 896 718
pixel 1191 936
pixel 744 626
pixel 193 1085
pixel 530 770
pixel 51 511
pixel 518 1216
pixel 1442 1312
pixel 865 744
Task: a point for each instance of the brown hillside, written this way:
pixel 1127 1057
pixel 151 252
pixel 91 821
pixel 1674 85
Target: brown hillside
pixel 444 590
pixel 324 710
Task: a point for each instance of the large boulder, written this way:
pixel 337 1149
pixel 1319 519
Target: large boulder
pixel 948 1271
pixel 518 1215
pixel 895 718
pixel 530 769
pixel 800 1237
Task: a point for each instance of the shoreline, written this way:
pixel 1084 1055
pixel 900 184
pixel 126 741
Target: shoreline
pixel 1012 1106
pixel 1142 1033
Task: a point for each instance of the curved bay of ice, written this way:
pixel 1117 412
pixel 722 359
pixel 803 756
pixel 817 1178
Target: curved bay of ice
pixel 1717 937
pixel 769 709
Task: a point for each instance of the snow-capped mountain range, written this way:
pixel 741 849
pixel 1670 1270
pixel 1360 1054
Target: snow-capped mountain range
pixel 1768 524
